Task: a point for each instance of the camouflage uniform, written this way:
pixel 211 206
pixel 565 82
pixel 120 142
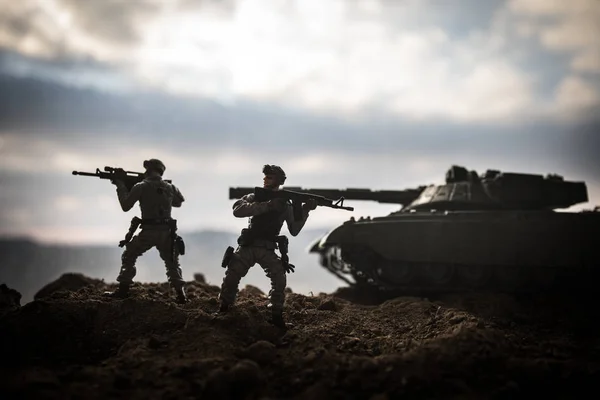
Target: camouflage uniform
pixel 156 198
pixel 266 221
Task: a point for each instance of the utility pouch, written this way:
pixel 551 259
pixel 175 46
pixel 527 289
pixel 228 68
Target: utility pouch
pixel 135 222
pixel 180 245
pixel 246 238
pixel 227 257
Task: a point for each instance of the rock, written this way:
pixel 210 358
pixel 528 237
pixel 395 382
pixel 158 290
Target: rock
pixel 251 291
pixel 328 305
pixel 155 342
pixel 262 352
pixel 245 379
pixel 10 299
pixel 456 319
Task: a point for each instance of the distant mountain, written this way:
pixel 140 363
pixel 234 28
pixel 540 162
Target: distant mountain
pixel 27 266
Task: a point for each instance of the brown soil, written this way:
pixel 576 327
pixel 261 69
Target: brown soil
pixel 71 342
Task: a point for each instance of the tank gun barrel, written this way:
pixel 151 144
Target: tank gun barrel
pixel 402 197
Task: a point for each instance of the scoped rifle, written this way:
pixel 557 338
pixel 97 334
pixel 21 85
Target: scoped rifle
pixel 297 198
pixel 129 178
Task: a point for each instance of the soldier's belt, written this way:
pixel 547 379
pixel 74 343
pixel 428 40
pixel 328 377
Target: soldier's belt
pixel 157 221
pixel 269 244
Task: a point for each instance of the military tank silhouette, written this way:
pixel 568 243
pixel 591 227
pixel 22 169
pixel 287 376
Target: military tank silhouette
pixel 499 231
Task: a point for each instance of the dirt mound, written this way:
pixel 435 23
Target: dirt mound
pixel 77 343
pixel 10 299
pixel 69 282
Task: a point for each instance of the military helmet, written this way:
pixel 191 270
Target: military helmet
pixel 275 170
pixel 155 164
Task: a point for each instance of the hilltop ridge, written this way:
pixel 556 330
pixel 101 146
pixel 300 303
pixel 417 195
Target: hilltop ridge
pixel 73 342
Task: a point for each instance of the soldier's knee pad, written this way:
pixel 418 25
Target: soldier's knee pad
pixel 127 272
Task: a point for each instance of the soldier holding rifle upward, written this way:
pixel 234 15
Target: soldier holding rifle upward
pixel 156 198
pixel 257 242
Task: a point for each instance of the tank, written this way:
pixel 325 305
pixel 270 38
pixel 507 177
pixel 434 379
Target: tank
pixel 497 231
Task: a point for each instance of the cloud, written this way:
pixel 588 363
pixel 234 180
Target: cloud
pixel 112 21
pixel 155 119
pixel 415 60
pixel 570 27
pixel 103 30
pixel 574 94
pixel 356 64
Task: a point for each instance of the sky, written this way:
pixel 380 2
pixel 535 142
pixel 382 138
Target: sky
pixel 375 94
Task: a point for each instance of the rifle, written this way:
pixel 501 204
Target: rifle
pixel 297 198
pixel 129 178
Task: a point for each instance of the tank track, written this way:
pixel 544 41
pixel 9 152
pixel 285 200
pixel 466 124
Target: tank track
pixel 371 272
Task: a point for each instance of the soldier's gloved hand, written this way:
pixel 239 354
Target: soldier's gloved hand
pixel 310 205
pixel 289 268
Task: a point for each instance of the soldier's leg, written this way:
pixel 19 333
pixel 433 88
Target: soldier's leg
pixel 138 245
pixel 239 265
pixel 272 265
pixel 171 260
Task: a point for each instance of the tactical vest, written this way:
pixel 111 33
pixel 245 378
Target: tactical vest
pixel 267 226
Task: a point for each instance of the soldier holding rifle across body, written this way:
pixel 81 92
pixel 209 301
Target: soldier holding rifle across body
pixel 158 229
pixel 268 208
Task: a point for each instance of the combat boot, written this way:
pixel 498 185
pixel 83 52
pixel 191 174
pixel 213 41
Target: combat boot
pixel 181 298
pixel 223 308
pixel 121 292
pixel 277 320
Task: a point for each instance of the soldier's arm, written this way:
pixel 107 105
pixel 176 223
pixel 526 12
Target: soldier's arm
pixel 178 198
pixel 295 226
pixel 247 207
pixel 128 198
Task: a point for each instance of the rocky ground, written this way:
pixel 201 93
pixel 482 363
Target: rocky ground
pixel 73 343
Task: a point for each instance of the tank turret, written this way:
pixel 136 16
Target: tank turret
pixel 495 190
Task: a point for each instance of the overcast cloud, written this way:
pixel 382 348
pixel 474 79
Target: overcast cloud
pixel 372 94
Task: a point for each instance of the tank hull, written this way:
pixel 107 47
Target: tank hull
pixel 461 250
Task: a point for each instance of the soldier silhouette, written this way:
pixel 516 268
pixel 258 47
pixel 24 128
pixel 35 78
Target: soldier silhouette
pixel 258 242
pixel 156 198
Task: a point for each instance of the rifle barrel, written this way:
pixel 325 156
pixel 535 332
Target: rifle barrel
pixel 85 173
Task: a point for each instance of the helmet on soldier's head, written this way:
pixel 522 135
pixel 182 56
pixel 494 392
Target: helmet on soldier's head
pixel 155 165
pixel 275 170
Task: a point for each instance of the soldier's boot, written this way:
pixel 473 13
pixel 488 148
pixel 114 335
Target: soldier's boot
pixel 121 292
pixel 277 320
pixel 181 297
pixel 223 308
